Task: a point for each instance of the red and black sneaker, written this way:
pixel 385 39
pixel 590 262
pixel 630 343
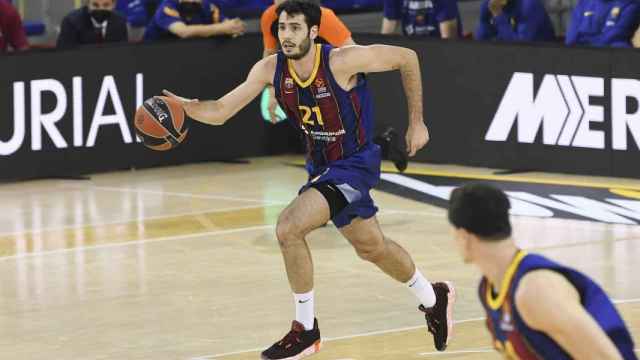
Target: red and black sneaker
pixel 297 344
pixel 440 316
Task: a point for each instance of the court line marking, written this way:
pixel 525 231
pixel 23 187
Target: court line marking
pixel 371 333
pixel 169 193
pixel 411 212
pixel 625 301
pixel 230 231
pixel 138 242
pixel 167 238
pixel 138 219
pixel 134 242
pixel 382 332
pixel 506 178
pixel 178 214
pixel 454 352
pixel 523 179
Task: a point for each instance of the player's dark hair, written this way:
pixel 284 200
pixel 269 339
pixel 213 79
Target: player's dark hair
pixel 482 210
pixel 310 10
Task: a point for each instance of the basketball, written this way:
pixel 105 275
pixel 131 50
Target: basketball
pixel 160 123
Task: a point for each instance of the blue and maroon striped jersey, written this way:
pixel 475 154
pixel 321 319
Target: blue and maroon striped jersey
pixel 335 123
pixel 516 340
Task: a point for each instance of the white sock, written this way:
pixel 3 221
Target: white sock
pixel 422 289
pixel 304 309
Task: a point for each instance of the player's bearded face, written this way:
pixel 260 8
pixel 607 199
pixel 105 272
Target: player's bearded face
pixel 301 50
pixel 294 35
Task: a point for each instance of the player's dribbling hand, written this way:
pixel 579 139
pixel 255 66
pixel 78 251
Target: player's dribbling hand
pixel 187 104
pixel 417 137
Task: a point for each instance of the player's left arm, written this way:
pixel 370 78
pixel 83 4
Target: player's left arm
pixel 348 61
pixel 217 112
pixel 548 302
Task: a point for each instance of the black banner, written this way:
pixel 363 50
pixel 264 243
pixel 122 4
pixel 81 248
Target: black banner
pixel 513 106
pixel 549 108
pixel 73 110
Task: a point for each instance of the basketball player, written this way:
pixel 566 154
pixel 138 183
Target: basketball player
pixel 536 308
pixel 323 92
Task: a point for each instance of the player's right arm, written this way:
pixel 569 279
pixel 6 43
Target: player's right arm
pixel 217 112
pixel 548 302
pixel 348 61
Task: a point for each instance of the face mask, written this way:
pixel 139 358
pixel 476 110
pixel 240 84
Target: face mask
pixel 189 9
pixel 100 15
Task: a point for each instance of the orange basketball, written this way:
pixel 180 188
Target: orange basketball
pixel 160 123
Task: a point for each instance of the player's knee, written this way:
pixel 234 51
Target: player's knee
pixel 373 253
pixel 287 231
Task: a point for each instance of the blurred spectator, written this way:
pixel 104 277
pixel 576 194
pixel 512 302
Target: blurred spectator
pixel 191 18
pixel 137 12
pixel 514 20
pixel 94 23
pixel 636 39
pixel 12 33
pixel 559 12
pixel 603 23
pixel 435 18
pixel 332 30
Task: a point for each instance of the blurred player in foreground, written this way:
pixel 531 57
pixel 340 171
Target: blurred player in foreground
pixel 536 308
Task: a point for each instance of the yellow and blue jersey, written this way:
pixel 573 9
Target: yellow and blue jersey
pixel 516 340
pixel 336 123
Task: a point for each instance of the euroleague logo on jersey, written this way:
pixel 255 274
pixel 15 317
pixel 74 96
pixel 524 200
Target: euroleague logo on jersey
pixel 321 88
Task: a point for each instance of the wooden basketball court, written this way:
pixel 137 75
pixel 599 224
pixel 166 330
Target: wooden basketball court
pixel 182 263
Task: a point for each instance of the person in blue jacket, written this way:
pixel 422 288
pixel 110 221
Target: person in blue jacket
pixel 191 19
pixel 603 23
pixel 514 20
pixel 137 12
pixel 437 18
